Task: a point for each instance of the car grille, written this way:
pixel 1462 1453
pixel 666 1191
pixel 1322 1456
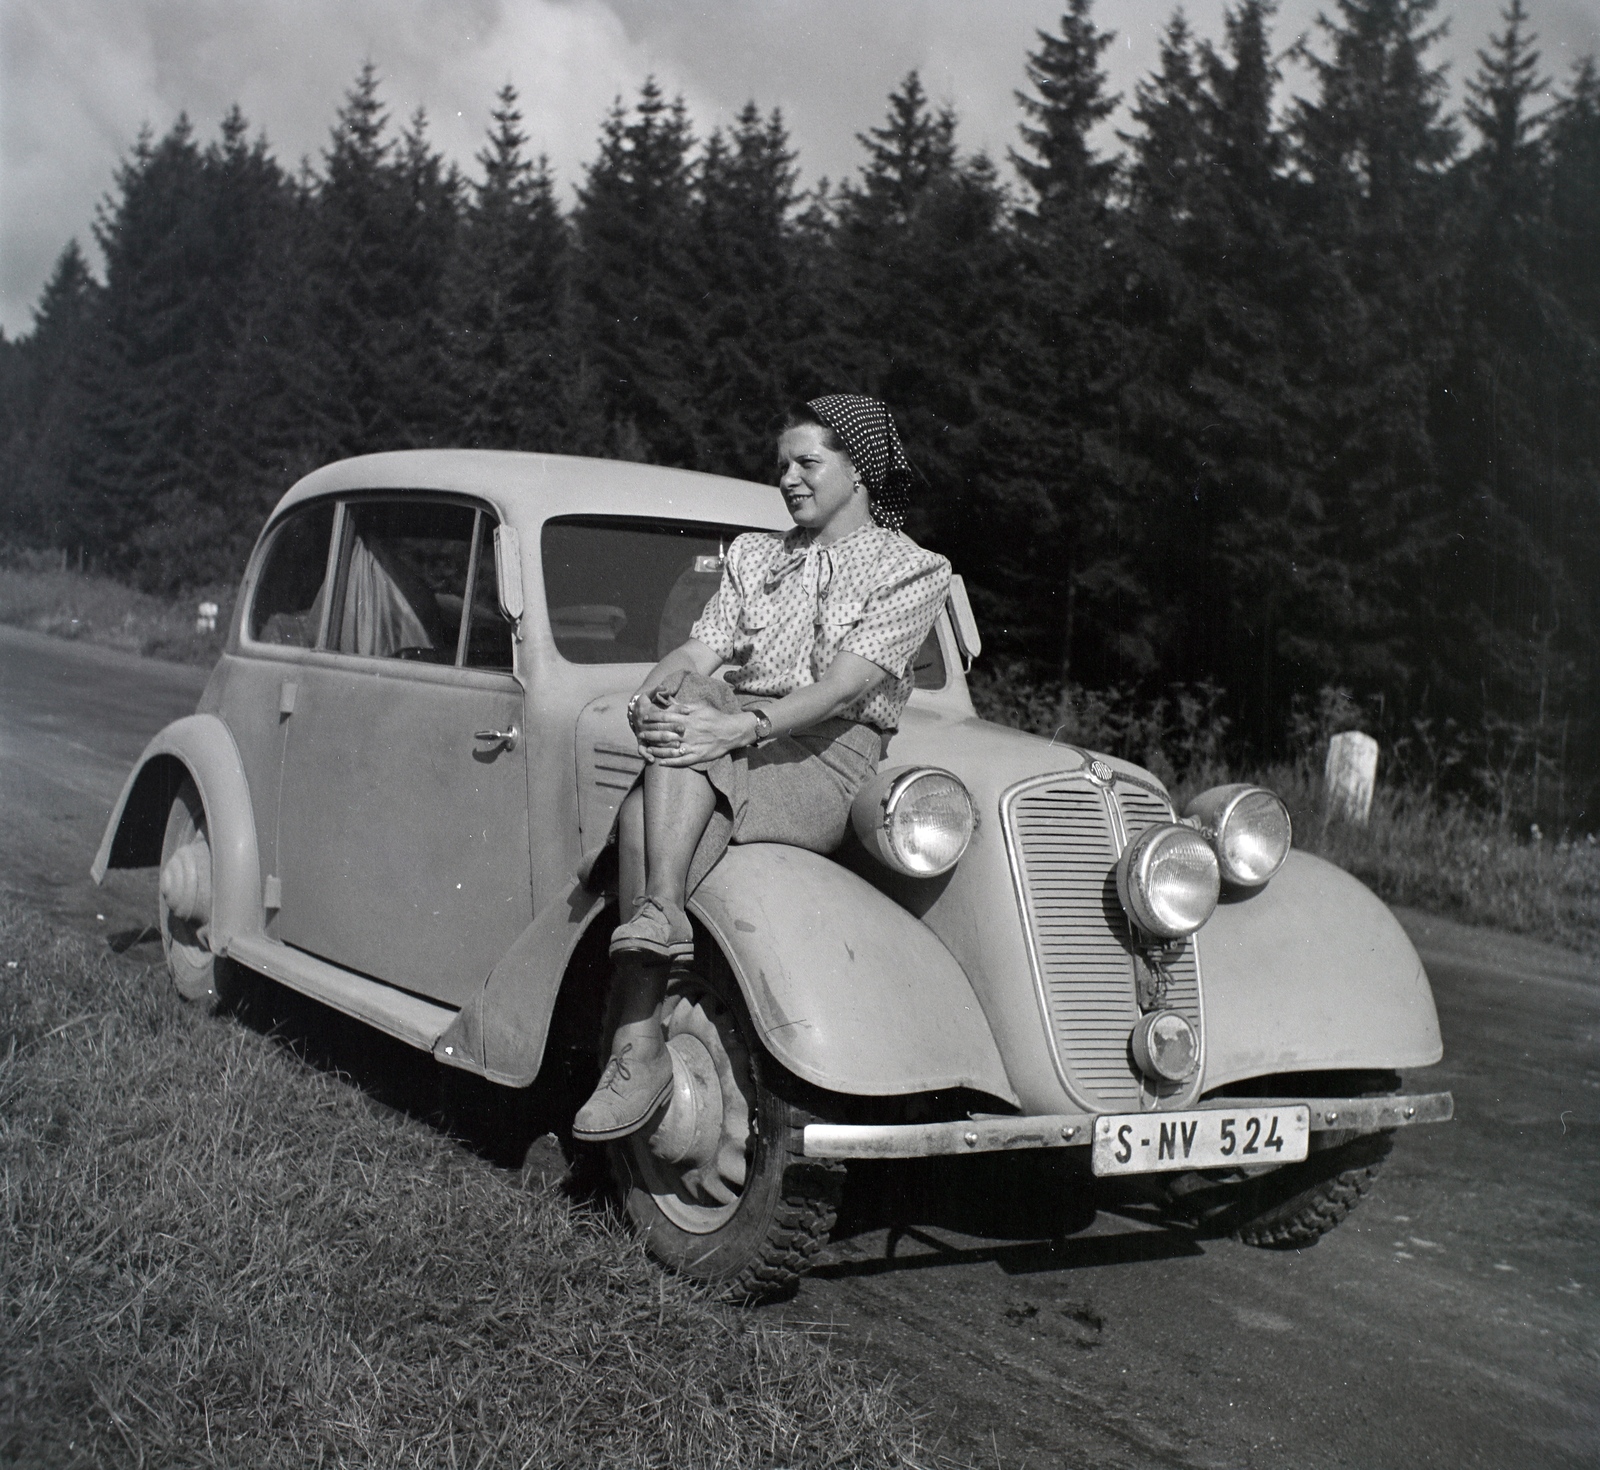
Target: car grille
pixel 1066 848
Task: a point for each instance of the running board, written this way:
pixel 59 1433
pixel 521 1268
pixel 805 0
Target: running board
pixel 405 1017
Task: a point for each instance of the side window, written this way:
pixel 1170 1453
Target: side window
pixel 927 667
pixel 404 578
pixel 628 591
pixel 489 634
pixel 290 592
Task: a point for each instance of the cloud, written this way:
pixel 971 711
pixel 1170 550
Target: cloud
pixel 82 76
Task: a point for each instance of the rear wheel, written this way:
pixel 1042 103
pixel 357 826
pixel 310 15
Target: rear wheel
pixel 1297 1205
pixel 183 906
pixel 720 1186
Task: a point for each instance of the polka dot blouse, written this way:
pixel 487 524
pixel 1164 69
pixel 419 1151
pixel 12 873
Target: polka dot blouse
pixel 787 606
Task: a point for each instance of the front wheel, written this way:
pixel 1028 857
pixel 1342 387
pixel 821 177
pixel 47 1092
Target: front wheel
pixel 183 905
pixel 1297 1205
pixel 720 1186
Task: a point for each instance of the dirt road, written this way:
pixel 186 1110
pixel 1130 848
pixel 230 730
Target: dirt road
pixel 1451 1321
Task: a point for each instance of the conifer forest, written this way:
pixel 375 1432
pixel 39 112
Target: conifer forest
pixel 1286 390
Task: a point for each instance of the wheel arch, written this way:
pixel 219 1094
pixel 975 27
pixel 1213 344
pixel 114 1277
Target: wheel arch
pixel 847 990
pixel 200 748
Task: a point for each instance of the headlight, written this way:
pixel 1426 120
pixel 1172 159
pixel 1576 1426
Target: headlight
pixel 1249 828
pixel 916 819
pixel 1168 880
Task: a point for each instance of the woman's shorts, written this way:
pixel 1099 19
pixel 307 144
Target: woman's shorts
pixel 794 789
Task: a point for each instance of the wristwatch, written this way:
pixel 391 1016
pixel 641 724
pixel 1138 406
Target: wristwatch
pixel 763 723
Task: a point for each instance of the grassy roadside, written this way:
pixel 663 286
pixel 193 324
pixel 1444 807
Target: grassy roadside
pixel 213 1255
pixel 38 594
pixel 1451 860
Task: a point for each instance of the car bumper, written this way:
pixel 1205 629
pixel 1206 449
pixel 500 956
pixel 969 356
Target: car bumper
pixel 1345 1116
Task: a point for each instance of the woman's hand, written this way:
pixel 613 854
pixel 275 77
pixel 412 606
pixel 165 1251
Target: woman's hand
pixel 690 734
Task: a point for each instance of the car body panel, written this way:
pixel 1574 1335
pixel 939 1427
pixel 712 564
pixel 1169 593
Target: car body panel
pixel 202 747
pixel 1312 973
pixel 402 840
pixel 848 990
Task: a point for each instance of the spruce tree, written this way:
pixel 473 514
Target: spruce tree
pixel 381 235
pixel 505 298
pixel 745 250
pixel 1066 576
pixel 44 407
pixel 1372 147
pixel 637 293
pixel 913 293
pixel 147 374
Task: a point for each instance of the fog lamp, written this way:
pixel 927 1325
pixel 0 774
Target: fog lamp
pixel 1249 828
pixel 1168 880
pixel 1166 1047
pixel 916 819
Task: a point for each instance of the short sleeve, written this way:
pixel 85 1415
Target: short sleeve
pixel 719 619
pixel 897 616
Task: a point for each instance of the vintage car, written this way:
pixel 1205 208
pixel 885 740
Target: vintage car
pixel 396 795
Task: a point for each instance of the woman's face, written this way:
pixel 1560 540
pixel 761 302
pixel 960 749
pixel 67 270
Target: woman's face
pixel 819 484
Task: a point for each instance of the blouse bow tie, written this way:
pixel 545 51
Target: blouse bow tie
pixel 781 571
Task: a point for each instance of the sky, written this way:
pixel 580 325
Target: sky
pixel 78 78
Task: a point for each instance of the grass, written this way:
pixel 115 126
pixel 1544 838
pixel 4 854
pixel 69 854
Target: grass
pixel 36 592
pixel 212 1254
pixel 1450 859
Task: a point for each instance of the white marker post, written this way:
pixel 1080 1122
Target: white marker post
pixel 1349 776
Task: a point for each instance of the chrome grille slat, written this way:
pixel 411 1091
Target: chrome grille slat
pixel 1066 849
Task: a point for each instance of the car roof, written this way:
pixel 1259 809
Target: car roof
pixel 527 488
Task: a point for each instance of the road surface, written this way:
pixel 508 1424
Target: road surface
pixel 1451 1321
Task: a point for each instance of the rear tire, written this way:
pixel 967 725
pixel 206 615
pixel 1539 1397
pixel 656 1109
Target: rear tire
pixel 198 975
pixel 749 1224
pixel 1297 1205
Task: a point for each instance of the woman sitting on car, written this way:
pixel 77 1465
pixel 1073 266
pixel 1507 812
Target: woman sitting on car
pixel 821 625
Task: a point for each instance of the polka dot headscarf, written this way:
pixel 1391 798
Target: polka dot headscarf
pixel 873 444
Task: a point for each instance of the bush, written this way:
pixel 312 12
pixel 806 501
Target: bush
pixel 1423 845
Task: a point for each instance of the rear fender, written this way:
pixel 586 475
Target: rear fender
pixel 846 989
pixel 1312 973
pixel 198 746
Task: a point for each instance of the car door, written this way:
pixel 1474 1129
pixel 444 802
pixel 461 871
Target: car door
pixel 403 821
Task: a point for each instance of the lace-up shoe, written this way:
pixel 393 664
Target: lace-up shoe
pixel 658 930
pixel 629 1093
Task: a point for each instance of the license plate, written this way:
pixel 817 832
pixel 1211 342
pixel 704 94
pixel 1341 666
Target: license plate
pixel 1208 1138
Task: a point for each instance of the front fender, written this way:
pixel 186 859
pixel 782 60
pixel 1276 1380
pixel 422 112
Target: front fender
pixel 848 990
pixel 199 746
pixel 1312 973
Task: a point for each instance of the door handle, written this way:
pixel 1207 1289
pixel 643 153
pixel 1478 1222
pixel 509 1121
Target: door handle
pixel 505 738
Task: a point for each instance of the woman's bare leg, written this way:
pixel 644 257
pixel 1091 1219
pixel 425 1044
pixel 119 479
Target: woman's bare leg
pixel 678 802
pixel 658 830
pixel 641 986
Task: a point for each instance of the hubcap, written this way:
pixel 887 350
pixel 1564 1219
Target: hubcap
pixel 694 1163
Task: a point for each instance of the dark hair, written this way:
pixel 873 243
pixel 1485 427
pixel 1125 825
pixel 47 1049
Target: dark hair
pixel 799 416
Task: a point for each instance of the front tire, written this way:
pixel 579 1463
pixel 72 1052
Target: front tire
pixel 724 1194
pixel 197 974
pixel 1297 1205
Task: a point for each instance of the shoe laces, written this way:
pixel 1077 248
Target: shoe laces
pixel 616 1069
pixel 650 901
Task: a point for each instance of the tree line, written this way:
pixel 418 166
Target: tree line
pixel 1281 394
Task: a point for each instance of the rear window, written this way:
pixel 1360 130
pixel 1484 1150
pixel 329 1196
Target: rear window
pixel 628 591
pixel 287 607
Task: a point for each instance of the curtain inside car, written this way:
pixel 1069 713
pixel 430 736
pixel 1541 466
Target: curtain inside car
pixel 387 604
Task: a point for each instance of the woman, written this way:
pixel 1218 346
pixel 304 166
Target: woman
pixel 821 625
